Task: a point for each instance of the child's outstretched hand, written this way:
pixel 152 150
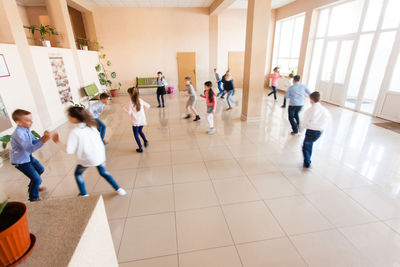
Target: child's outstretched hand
pixel 46 136
pixel 56 137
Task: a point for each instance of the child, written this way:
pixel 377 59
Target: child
pixel 191 100
pixel 23 144
pixel 315 120
pixel 291 83
pixel 229 89
pixel 96 109
pixel 136 109
pixel 85 142
pixel 161 83
pixel 211 101
pixel 274 83
pixel 221 91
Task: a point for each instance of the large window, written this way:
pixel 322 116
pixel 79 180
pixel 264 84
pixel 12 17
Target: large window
pixel 287 44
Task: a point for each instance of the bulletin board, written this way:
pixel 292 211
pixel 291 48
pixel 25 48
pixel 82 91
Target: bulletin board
pixel 60 76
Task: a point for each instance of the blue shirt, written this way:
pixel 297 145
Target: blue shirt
pixel 23 144
pixel 96 109
pixel 296 94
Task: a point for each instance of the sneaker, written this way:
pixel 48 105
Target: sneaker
pixel 79 195
pixel 42 188
pixel 218 94
pixel 121 192
pixel 139 150
pixel 211 131
pixel 187 116
pixel 228 109
pixel 146 143
pixel 197 118
pixel 222 97
pixel 293 133
pixel 39 199
pixel 163 106
pixel 283 106
pixel 159 106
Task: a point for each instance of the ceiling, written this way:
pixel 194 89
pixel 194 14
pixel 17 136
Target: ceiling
pixel 158 3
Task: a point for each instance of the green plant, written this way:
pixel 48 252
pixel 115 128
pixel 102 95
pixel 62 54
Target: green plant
pixel 84 41
pixel 3 205
pixel 77 104
pixel 7 138
pixel 43 30
pixel 104 75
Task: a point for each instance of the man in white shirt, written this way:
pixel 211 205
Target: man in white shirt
pixel 315 120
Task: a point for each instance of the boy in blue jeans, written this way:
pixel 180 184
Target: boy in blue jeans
pixel 23 144
pixel 96 109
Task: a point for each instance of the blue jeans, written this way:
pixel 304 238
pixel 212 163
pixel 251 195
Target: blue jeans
pixel 229 100
pixel 311 137
pixel 32 170
pixel 102 171
pixel 293 114
pixel 221 91
pixel 273 92
pixel 102 128
pixel 138 130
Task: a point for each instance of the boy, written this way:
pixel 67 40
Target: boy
pixel 96 109
pixel 221 91
pixel 23 144
pixel 315 120
pixel 296 95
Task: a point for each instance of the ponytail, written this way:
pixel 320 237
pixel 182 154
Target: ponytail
pixel 81 115
pixel 134 94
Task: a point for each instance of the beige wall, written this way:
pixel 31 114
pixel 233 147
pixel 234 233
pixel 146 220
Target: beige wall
pixel 142 41
pixel 77 22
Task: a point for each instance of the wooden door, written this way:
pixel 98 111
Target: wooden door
pixel 236 66
pixel 186 68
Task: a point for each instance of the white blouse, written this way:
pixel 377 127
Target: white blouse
pixel 138 117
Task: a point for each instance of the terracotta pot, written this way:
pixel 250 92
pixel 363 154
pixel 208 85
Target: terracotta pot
pixel 14 233
pixel 114 92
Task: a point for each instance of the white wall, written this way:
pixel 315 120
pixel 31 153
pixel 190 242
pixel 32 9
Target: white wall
pixel 88 61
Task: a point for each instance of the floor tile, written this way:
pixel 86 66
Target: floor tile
pixel 189 172
pixel 166 261
pixel 273 185
pixel 123 162
pixel 394 224
pixel 124 178
pixel 296 215
pixel 155 159
pixel 151 200
pixel 251 221
pixel 186 156
pixel 194 195
pixel 216 153
pixel 235 190
pixel 159 175
pixel 202 229
pixel 147 237
pixel 217 257
pixel 117 229
pixel 256 165
pixel 117 206
pixel 223 168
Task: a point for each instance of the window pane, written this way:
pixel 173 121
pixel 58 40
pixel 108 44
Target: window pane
pixel 358 70
pixel 395 82
pixel 293 66
pixel 286 38
pixel 297 35
pixel 343 61
pixel 283 64
pixel 315 62
pixel 345 18
pixel 392 17
pixel 372 16
pixel 377 71
pixel 329 59
pixel 322 22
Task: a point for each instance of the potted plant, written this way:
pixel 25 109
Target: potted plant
pixel 84 44
pixel 106 75
pixel 44 30
pixel 16 242
pixel 7 138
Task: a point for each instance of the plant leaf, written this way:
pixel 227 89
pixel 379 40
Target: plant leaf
pixel 102 76
pixel 3 205
pixel 98 67
pixel 103 56
pixel 35 134
pixel 108 83
pixel 102 81
pixel 108 63
pixel 119 84
pixel 113 75
pixel 5 138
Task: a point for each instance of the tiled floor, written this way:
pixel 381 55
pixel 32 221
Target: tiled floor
pixel 240 197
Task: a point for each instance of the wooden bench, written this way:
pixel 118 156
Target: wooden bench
pixel 146 82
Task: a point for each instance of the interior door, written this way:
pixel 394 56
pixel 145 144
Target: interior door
pixel 186 68
pixel 236 67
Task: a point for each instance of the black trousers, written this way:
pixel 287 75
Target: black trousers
pixel 293 115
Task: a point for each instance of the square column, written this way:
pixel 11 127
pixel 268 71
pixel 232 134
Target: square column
pixel 213 45
pixel 258 19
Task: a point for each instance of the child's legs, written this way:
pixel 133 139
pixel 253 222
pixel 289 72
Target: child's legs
pixel 274 91
pixel 102 128
pixel 296 115
pixel 37 165
pixel 136 134
pixel 210 119
pixel 79 179
pixel 140 130
pixel 194 109
pixel 162 99
pixel 228 98
pixel 158 99
pixel 221 91
pixel 284 102
pixel 103 172
pixel 35 180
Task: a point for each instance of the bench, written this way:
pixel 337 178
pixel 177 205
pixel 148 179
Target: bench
pixel 91 91
pixel 146 82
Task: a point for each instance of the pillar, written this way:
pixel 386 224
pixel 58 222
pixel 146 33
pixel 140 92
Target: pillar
pixel 258 19
pixel 213 45
pixel 304 42
pixel 90 29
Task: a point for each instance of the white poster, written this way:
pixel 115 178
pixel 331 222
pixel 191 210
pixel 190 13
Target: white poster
pixel 3 67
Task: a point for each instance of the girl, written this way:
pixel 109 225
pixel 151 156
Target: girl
pixel 86 143
pixel 136 109
pixel 211 101
pixel 229 88
pixel 161 83
pixel 192 99
pixel 274 83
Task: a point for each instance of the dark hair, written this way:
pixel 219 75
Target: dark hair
pixel 187 78
pixel 81 114
pixel 276 68
pixel 296 78
pixel 210 91
pixel 159 73
pixel 18 113
pixel 135 97
pixel 104 96
pixel 315 96
pixel 130 90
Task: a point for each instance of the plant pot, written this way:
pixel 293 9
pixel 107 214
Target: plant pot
pixel 84 47
pixel 114 92
pixel 15 240
pixel 46 43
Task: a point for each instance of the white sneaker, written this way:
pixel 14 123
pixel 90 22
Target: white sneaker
pixel 121 192
pixel 211 131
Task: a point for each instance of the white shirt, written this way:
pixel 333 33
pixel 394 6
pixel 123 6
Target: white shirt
pixel 315 118
pixel 86 143
pixel 138 117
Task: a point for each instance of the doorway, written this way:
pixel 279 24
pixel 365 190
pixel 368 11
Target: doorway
pixel 186 68
pixel 236 67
